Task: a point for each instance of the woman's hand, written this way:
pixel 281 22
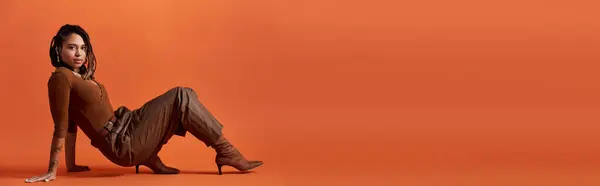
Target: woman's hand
pixel 55 148
pixel 45 177
pixel 78 168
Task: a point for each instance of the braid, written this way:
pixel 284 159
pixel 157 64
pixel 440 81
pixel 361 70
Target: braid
pixel 91 58
pixel 54 57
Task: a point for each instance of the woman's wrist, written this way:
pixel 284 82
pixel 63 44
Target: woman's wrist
pixel 52 168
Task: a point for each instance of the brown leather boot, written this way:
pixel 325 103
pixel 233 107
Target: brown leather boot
pixel 229 155
pixel 157 167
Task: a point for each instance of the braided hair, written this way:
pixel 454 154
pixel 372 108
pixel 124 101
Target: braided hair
pixel 64 32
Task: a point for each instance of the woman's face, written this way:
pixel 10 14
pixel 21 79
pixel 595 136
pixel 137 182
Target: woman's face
pixel 73 51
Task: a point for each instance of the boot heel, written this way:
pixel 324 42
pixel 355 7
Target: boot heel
pixel 137 169
pixel 219 167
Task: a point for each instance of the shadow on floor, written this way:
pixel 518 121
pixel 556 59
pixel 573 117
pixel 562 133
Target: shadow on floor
pixel 97 172
pixel 27 172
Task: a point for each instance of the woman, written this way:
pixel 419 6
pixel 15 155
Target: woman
pixel 126 137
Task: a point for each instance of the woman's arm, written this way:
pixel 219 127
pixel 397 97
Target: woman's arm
pixel 59 89
pixel 70 150
pixel 55 148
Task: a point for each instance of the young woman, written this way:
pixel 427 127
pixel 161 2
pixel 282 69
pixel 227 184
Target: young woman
pixel 125 137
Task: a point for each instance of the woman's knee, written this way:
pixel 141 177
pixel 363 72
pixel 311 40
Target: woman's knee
pixel 183 89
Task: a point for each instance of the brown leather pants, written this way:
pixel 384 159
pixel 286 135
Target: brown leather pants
pixel 141 133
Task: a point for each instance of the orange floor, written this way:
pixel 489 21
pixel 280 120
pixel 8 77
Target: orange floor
pixel 432 93
pixel 375 155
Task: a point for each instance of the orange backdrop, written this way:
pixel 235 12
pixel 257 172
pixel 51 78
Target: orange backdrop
pixel 328 92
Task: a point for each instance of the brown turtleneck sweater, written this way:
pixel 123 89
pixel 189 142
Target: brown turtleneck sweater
pixel 77 102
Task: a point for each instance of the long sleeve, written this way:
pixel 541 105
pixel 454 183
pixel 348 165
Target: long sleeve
pixel 72 127
pixel 59 89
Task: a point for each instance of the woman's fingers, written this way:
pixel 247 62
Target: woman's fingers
pixel 79 168
pixel 46 178
pixel 82 168
pixel 33 179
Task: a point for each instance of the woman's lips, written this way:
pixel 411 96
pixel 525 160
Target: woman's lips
pixel 78 61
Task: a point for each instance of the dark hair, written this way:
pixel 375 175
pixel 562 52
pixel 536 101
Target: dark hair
pixel 56 46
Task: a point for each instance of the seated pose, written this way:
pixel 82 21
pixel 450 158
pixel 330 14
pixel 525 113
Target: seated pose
pixel 125 137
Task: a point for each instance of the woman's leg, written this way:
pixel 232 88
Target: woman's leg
pixel 176 112
pixel 196 119
pixel 155 122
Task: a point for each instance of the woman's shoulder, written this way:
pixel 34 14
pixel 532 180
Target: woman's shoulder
pixel 61 74
pixel 61 70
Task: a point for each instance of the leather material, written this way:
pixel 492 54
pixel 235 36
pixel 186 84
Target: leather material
pixel 227 154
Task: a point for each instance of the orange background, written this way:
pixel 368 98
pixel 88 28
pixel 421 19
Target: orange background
pixel 328 92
